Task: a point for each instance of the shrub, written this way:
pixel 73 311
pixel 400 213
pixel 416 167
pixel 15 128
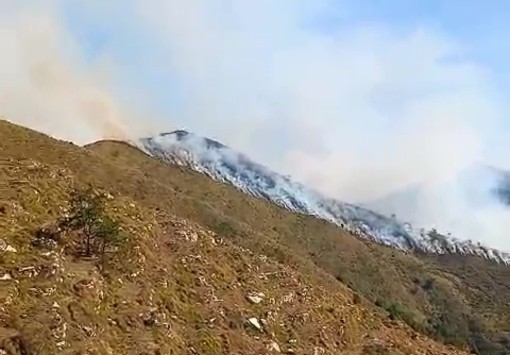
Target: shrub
pixel 376 349
pixel 396 311
pixel 428 284
pixel 224 229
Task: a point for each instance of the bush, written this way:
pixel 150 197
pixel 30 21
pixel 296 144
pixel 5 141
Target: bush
pixel 88 215
pixel 428 284
pixel 224 229
pixel 396 311
pixel 376 349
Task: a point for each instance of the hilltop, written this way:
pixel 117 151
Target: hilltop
pixel 210 270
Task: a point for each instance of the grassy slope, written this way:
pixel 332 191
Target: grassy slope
pixel 159 192
pixel 434 295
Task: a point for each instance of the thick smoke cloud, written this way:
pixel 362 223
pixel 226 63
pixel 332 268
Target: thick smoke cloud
pixel 356 110
pixel 337 109
pixel 359 112
pixel 45 84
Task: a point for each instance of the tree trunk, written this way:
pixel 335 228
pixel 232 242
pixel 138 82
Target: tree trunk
pixel 87 241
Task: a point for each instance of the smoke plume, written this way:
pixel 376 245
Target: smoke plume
pixel 357 110
pixel 45 84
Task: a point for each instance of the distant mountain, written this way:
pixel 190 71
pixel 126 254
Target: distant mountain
pixel 226 165
pixel 502 189
pixel 469 204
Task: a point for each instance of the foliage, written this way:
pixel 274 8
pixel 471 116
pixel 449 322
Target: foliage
pixel 376 349
pixel 88 215
pixel 224 228
pixel 397 311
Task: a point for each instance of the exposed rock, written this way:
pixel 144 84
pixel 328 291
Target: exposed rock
pixel 47 236
pixel 6 277
pixel 264 322
pixel 61 344
pixel 189 236
pixel 288 298
pixel 254 322
pixel 318 350
pixel 88 330
pixel 256 297
pixel 4 247
pixel 274 347
pixel 29 271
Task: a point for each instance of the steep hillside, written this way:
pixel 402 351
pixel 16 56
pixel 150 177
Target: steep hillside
pixel 396 281
pixel 177 289
pixel 225 164
pixel 209 275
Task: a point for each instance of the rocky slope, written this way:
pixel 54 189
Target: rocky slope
pixel 175 287
pixel 226 165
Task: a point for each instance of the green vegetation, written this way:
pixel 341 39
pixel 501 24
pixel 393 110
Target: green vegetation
pixel 377 349
pixel 99 231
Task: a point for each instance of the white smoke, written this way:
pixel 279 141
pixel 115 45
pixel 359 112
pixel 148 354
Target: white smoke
pixel 358 111
pixel 44 82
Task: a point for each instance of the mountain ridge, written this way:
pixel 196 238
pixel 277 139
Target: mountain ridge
pixel 224 164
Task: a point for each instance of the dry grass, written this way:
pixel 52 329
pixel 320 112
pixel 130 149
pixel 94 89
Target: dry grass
pixel 448 309
pixel 197 290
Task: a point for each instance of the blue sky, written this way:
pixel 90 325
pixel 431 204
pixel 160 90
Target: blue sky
pixel 481 26
pixel 355 98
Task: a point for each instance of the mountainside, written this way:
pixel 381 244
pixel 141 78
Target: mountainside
pixel 206 265
pixel 224 164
